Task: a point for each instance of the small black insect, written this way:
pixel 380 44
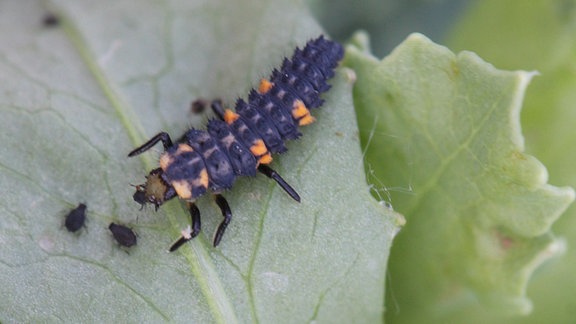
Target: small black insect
pixel 198 106
pixel 76 218
pixel 139 196
pixel 125 236
pixel 241 142
pixel 50 20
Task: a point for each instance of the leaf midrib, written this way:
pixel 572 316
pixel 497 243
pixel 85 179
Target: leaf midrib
pixel 202 267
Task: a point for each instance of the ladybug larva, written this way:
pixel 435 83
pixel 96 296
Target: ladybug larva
pixel 241 142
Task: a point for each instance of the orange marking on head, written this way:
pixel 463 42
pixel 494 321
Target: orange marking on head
pixel 299 110
pixel 183 189
pixel 258 148
pixel 306 120
pixel 265 159
pixel 230 116
pixel 265 86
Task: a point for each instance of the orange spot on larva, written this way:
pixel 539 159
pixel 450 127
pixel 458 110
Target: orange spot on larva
pixel 265 159
pixel 182 188
pixel 165 161
pixel 182 148
pixel 230 116
pixel 306 120
pixel 204 178
pixel 258 148
pixel 265 86
pixel 299 110
pixel 301 113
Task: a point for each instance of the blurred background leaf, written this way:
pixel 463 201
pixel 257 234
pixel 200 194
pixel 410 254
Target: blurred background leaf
pixel 512 35
pixel 446 128
pixel 538 35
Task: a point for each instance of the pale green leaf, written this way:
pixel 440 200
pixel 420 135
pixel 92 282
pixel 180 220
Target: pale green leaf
pixel 539 35
pixel 76 98
pixel 443 140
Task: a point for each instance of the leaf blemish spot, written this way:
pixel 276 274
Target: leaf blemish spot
pixel 275 282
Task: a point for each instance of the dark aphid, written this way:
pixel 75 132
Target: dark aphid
pixel 241 142
pixel 76 218
pixel 125 236
pixel 50 20
pixel 140 196
pixel 198 106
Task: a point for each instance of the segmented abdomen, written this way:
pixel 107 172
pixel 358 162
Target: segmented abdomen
pixel 255 129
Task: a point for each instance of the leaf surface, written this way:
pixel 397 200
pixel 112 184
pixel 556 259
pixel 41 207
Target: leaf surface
pixel 77 97
pixel 443 140
pixel 540 35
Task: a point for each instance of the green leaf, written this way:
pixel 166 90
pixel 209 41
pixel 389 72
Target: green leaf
pixel 76 98
pixel 538 35
pixel 443 138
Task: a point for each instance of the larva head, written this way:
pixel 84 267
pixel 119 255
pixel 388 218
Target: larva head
pixel 155 191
